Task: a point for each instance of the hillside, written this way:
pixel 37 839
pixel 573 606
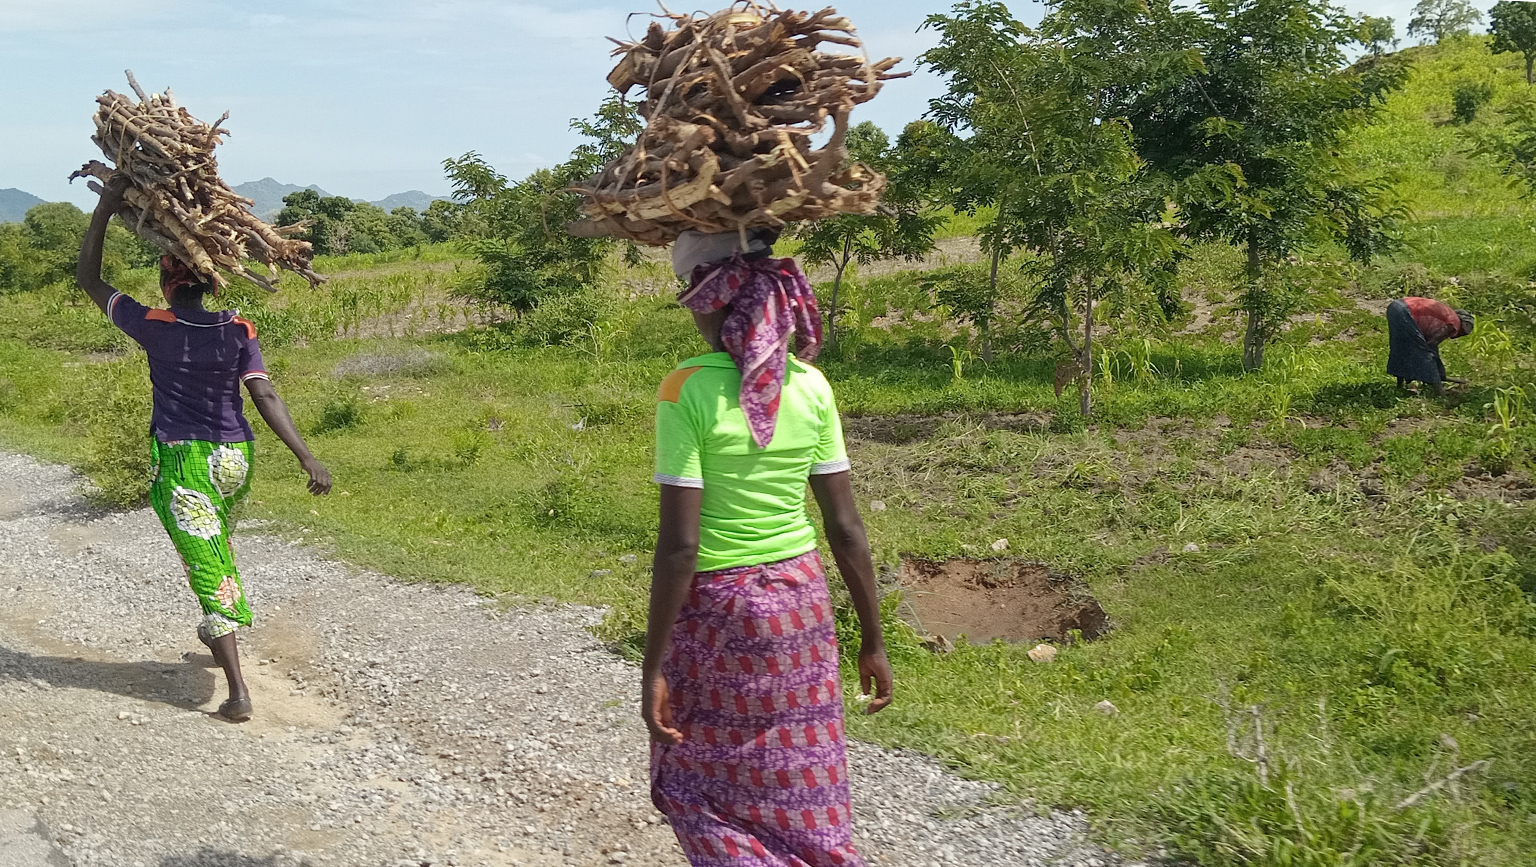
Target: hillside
pixel 268 195
pixel 15 203
pixel 1415 138
pixel 416 199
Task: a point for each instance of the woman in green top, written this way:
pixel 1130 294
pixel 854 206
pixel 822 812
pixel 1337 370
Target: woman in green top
pixel 741 690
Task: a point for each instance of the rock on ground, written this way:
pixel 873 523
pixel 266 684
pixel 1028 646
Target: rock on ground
pixel 396 724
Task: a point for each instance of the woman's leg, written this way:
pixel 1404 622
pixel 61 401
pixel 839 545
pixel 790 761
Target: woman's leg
pixel 195 484
pixel 760 779
pixel 227 654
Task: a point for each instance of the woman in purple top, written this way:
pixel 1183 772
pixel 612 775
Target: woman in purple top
pixel 201 442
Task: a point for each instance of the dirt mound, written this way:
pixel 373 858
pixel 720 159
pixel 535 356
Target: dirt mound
pixel 1015 600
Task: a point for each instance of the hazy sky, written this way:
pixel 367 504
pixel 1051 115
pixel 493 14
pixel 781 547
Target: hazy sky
pixel 362 98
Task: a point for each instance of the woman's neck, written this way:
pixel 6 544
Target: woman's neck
pixel 189 301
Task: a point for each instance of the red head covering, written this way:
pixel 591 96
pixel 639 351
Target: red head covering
pixel 174 274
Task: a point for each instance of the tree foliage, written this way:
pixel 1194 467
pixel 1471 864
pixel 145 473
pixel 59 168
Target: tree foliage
pixel 1377 34
pixel 43 248
pixel 1254 138
pixel 904 226
pixel 1049 145
pixel 339 226
pixel 1513 26
pixel 521 242
pixel 1443 19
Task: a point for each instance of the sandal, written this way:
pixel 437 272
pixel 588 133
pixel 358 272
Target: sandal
pixel 236 709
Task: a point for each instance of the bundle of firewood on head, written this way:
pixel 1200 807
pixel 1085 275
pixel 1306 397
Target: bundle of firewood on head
pixel 177 200
pixel 732 103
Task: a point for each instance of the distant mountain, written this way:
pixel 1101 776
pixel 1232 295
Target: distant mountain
pixel 14 205
pixel 413 199
pixel 268 194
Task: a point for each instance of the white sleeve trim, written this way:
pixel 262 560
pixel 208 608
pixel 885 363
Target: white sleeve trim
pixel 678 481
pixel 256 374
pixel 112 303
pixel 831 467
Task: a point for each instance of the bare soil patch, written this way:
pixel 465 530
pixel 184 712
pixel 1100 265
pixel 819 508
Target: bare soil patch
pixel 1014 600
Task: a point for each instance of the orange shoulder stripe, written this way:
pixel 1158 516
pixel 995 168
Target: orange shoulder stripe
pixel 672 387
pixel 158 315
pixel 250 327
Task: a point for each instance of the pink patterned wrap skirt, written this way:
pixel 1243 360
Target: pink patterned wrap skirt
pixel 761 776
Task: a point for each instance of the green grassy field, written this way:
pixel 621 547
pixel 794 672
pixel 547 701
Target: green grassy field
pixel 1321 588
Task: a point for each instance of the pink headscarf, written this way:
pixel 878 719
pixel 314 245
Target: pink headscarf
pixel 770 299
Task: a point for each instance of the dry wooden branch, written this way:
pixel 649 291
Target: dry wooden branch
pixel 178 202
pixel 1442 783
pixel 732 101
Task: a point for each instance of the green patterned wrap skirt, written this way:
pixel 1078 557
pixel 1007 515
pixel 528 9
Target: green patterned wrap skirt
pixel 196 485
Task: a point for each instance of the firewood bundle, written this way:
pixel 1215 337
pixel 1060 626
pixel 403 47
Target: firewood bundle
pixel 732 103
pixel 177 201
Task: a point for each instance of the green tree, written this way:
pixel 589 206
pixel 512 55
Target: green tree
pixel 1377 34
pixel 902 228
pixel 1050 146
pixel 1254 136
pixel 366 230
pixel 42 249
pixel 1443 19
pixel 526 253
pixel 1513 26
pixel 339 226
pixel 443 221
pixel 326 216
pixel 406 227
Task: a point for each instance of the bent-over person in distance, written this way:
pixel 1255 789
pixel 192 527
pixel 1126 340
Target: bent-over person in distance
pixel 741 690
pixel 201 443
pixel 1415 329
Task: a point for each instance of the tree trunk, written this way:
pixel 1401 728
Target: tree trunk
pixel 1530 58
pixel 1085 384
pixel 1253 336
pixel 837 284
pixel 986 325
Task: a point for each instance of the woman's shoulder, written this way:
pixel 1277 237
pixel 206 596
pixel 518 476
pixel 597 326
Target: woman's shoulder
pixel 671 390
pixel 808 374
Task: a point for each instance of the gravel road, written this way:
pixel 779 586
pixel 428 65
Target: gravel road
pixel 396 724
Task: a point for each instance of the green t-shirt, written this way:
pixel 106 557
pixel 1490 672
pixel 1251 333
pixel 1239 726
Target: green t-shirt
pixel 754 498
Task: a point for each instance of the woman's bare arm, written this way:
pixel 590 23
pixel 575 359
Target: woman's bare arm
pixel 275 413
pixel 88 268
pixel 677 557
pixel 850 548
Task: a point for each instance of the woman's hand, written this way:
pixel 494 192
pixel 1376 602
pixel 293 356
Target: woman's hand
pixel 319 477
pixel 656 709
pixel 875 677
pixel 115 188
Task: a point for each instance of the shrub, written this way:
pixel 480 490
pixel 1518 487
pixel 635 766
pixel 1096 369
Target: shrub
pixel 341 413
pixel 1467 98
pixel 561 320
pixel 115 405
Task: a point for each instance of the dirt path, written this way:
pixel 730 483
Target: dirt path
pixel 396 724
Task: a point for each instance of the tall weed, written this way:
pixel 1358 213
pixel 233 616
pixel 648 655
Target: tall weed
pixel 112 402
